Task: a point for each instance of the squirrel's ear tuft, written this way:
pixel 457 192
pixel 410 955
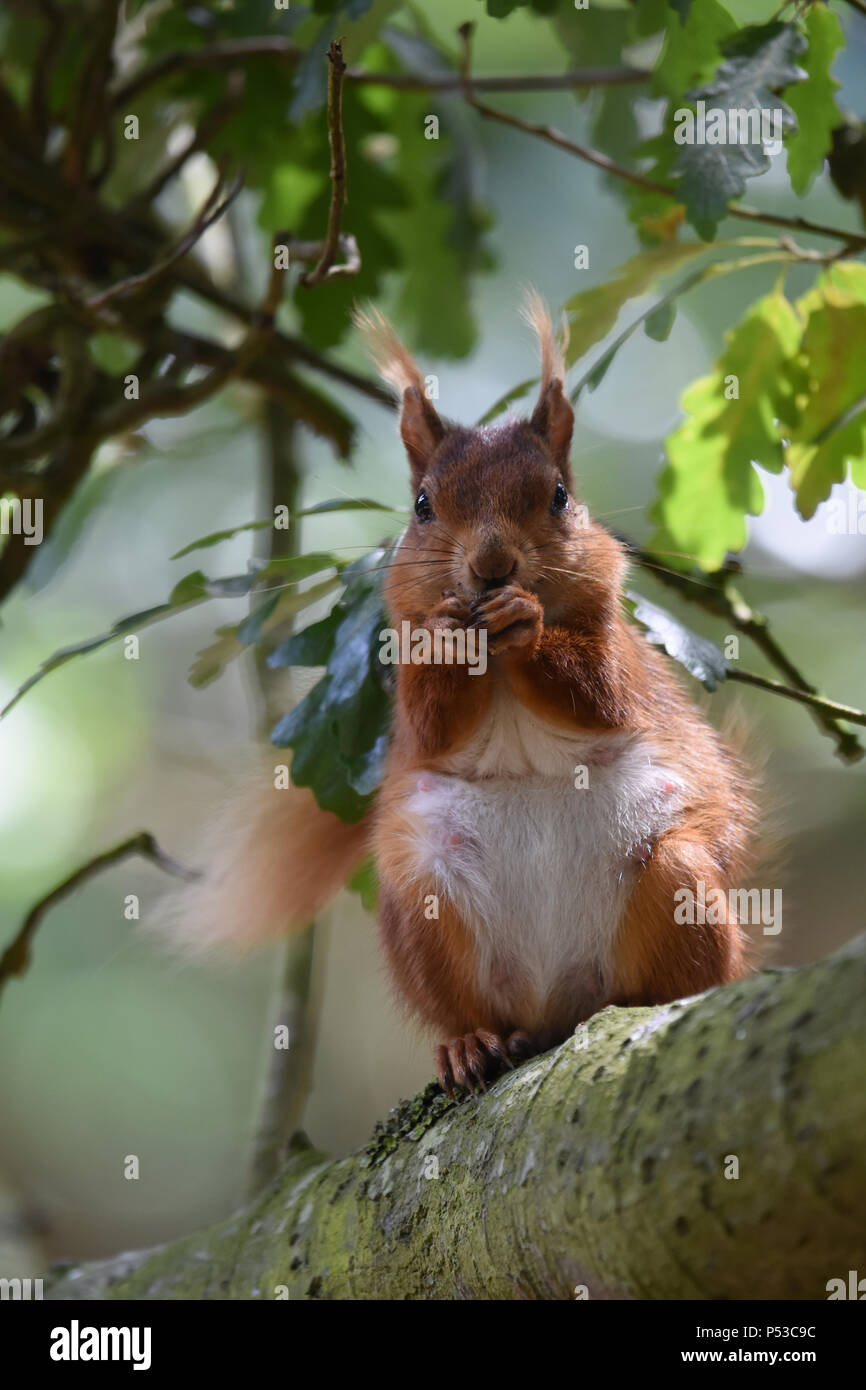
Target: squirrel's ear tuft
pixel 553 420
pixel 420 426
pixel 553 417
pixel 420 429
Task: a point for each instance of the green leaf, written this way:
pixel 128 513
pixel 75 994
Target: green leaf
pixel 825 413
pixel 661 313
pixel 657 217
pixel 758 64
pixel 659 323
pixel 231 642
pixel 710 482
pixel 355 646
pixel 196 587
pixel 700 657
pixel 113 353
pixel 692 50
pixel 69 531
pixel 193 588
pixel 340 731
pixel 599 369
pixel 690 55
pixel 337 504
pixel 291 569
pixel 598 41
pixel 250 630
pixel 349 504
pixel 813 102
pixel 592 313
pixel 373 190
pixel 312 646
pixel 310 79
pixel 210 663
pixel 316 762
pixel 515 394
pixel 443 222
pixel 216 537
pixel 365 770
pixel 458 167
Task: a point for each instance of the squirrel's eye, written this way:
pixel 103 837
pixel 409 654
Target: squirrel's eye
pixel 423 510
pixel 560 499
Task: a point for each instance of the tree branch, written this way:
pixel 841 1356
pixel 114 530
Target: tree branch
pixel 854 240
pixel 91 110
pixel 288 1067
pixel 229 54
pixel 325 269
pixel 616 1162
pixel 716 593
pixel 211 211
pixel 16 958
pixel 805 697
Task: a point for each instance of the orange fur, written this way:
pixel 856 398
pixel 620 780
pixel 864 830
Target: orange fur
pixel 548 591
pixel 500 545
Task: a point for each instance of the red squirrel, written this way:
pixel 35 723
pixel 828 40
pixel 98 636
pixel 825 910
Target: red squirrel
pixel 518 895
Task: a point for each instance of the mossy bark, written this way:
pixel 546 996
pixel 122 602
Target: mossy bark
pixel 711 1148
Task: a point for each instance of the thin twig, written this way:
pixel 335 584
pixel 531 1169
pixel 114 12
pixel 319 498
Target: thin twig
pixel 92 107
pixel 210 213
pixel 817 702
pixel 276 281
pixel 49 52
pixel 212 122
pixel 326 269
pixel 16 958
pixel 854 240
pixel 288 1069
pixel 717 595
pixel 575 78
pixel 231 53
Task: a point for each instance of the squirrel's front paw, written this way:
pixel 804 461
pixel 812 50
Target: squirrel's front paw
pixel 513 618
pixel 451 613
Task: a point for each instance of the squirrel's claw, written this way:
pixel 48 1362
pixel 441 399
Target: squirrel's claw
pixel 471 1062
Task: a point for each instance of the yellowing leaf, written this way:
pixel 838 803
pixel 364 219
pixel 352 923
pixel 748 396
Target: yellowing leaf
pixel 710 483
pixel 592 313
pixel 826 412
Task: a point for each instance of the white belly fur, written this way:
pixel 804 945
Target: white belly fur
pixel 539 869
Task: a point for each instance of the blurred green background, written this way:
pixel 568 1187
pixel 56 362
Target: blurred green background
pixel 109 1048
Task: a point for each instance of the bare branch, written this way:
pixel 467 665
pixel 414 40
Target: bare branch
pixel 326 268
pixel 805 697
pixel 211 212
pixel 92 107
pixel 854 241
pixel 281 50
pixel 716 593
pixel 16 958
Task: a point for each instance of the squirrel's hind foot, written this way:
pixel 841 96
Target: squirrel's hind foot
pixel 470 1062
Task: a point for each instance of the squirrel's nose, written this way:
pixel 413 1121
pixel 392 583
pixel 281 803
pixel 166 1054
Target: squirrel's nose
pixel 493 567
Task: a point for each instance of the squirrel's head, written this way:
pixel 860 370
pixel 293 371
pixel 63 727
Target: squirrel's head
pixel 494 504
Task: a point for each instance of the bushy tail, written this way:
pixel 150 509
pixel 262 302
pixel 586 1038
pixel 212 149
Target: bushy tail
pixel 270 862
